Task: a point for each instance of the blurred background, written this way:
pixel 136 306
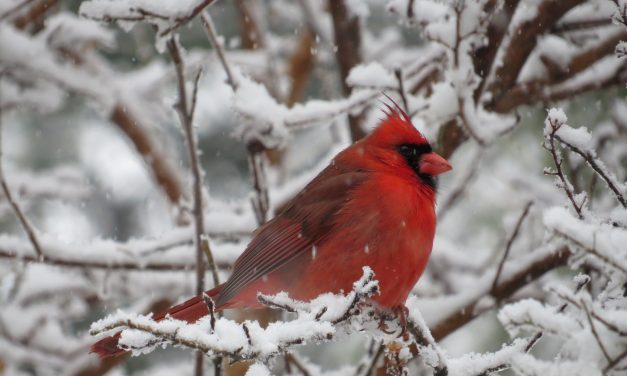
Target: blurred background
pixel 95 156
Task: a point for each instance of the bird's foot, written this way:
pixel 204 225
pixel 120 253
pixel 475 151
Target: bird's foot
pixel 402 312
pixel 399 312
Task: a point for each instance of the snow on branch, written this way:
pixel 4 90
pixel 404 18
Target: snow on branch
pixel 554 121
pixel 603 241
pixel 589 331
pixel 579 141
pixel 270 122
pixel 165 16
pixel 170 252
pixel 314 322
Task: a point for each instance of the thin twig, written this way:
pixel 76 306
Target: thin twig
pixel 510 241
pixel 615 362
pixel 401 88
pixel 255 158
pixel 594 164
pixel 210 29
pixel 260 200
pixel 291 358
pixel 592 251
pixel 557 160
pixel 594 331
pixel 456 192
pixel 374 360
pixel 25 223
pixel 186 116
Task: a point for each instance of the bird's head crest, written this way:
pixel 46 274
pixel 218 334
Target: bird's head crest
pixel 396 128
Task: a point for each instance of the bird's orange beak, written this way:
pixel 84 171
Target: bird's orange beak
pixel 433 164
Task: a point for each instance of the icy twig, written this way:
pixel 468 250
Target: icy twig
pixel 591 250
pixel 554 121
pixel 210 29
pixel 168 19
pixel 593 161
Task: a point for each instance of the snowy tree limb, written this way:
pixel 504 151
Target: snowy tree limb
pixel 315 321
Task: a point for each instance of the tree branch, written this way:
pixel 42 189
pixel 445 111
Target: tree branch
pixel 347 34
pixel 24 222
pixel 503 290
pixel 522 41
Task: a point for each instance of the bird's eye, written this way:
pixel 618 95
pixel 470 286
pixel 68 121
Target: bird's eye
pixel 405 150
pixel 413 150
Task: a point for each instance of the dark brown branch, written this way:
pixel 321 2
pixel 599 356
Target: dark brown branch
pixel 565 27
pixel 535 91
pixel 483 58
pixel 504 289
pixel 301 64
pixel 347 37
pixel 522 42
pixel 163 172
pixel 249 30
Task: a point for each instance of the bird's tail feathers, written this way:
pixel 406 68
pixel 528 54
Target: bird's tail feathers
pixel 190 311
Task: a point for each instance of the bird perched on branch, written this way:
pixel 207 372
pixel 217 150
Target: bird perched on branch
pixel 374 205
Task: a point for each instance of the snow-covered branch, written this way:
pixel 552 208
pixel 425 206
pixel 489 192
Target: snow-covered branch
pixel 315 321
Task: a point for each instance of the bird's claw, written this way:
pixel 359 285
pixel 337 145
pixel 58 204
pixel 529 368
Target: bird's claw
pixel 401 312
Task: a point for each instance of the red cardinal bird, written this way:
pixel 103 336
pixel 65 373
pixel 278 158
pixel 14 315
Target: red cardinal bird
pixel 372 206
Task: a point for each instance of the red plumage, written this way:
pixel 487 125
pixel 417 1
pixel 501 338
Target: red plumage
pixel 372 206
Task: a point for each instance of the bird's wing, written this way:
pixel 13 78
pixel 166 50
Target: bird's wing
pixel 301 226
